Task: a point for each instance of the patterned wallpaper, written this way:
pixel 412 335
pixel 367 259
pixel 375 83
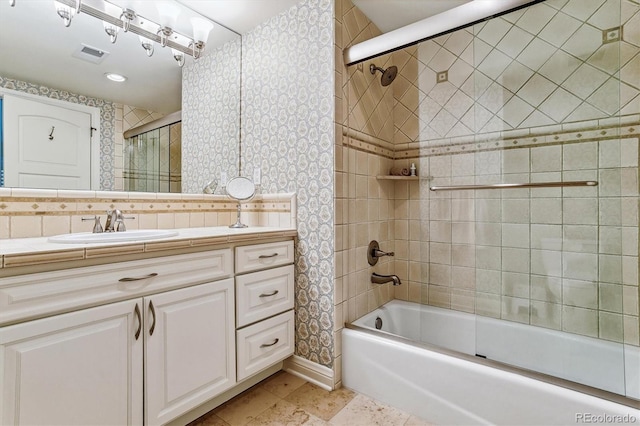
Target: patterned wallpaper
pixel 288 131
pixel 210 109
pixel 107 121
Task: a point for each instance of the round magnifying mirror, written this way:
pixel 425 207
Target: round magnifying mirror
pixel 241 188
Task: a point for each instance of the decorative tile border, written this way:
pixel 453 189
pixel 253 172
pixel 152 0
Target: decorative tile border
pixel 25 202
pixel 593 130
pixel 34 213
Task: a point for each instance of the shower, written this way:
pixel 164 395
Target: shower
pixel 388 75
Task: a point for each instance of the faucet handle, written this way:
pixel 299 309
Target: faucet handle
pixel 97 226
pixel 119 224
pixel 380 253
pixel 374 252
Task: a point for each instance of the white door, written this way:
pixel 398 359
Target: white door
pixel 46 146
pixel 80 368
pixel 190 348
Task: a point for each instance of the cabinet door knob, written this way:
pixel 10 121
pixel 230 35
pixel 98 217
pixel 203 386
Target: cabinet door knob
pixel 137 312
pixel 127 279
pixel 266 345
pixel 153 314
pixel 273 293
pixel 267 256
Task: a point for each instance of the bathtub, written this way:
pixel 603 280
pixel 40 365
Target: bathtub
pixel 444 382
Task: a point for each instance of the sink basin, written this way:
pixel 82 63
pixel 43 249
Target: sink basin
pixel 113 237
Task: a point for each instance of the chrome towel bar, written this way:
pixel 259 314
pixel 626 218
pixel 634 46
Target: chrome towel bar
pixel 515 185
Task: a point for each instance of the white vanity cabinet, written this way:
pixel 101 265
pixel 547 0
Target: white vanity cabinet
pixel 148 341
pixel 80 368
pixel 161 354
pixel 190 348
pixel 264 306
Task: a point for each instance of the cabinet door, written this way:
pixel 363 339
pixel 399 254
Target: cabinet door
pixel 80 368
pixel 190 348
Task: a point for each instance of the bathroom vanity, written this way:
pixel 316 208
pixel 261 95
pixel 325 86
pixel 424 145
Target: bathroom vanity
pixel 119 337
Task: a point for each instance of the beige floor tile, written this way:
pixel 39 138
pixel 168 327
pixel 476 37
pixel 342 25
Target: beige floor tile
pixel 247 406
pixel 320 402
pixel 285 413
pixel 209 419
pixel 368 412
pixel 282 384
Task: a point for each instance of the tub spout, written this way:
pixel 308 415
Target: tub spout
pixel 381 279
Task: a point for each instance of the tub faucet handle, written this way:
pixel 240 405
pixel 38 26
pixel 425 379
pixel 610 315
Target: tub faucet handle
pixel 374 252
pixel 380 253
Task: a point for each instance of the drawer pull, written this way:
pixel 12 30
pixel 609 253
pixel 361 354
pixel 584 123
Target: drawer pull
pixel 273 293
pixel 267 256
pixel 127 279
pixel 153 313
pixel 137 312
pixel 266 345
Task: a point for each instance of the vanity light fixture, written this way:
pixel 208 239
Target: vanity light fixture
pixel 159 31
pixel 147 45
pixel 118 78
pixel 201 30
pixel 178 56
pixel 111 30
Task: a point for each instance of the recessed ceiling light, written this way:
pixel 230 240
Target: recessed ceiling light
pixel 115 77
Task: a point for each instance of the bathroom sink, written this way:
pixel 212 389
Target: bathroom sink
pixel 113 237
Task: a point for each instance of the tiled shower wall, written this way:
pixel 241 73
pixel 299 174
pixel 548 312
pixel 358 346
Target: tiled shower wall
pixel 127 117
pixel 363 204
pixel 547 93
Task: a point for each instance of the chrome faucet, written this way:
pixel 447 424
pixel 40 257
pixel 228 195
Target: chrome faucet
pixel 115 221
pixel 381 279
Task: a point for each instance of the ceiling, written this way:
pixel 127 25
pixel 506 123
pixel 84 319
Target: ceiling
pixel 389 15
pixel 41 48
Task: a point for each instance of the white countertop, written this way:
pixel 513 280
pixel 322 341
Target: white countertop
pixel 187 237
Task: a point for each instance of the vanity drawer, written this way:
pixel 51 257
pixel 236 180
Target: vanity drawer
pixel 262 256
pixel 262 294
pixel 30 296
pixel 263 344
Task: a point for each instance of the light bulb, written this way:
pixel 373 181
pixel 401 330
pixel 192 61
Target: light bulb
pixel 65 12
pixel 111 30
pixel 201 29
pixel 178 56
pixel 147 45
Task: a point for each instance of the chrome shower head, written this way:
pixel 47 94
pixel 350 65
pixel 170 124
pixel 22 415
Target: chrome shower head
pixel 388 75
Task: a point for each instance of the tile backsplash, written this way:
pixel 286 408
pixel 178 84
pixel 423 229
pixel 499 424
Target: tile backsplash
pixel 28 213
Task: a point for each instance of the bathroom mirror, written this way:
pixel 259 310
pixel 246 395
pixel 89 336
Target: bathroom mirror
pixel 42 57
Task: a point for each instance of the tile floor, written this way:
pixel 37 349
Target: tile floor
pixel 284 399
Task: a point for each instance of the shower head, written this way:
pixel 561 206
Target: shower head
pixel 388 75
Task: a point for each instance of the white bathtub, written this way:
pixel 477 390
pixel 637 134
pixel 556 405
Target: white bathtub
pixel 447 389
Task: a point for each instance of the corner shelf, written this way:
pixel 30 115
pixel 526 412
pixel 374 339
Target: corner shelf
pixel 390 177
